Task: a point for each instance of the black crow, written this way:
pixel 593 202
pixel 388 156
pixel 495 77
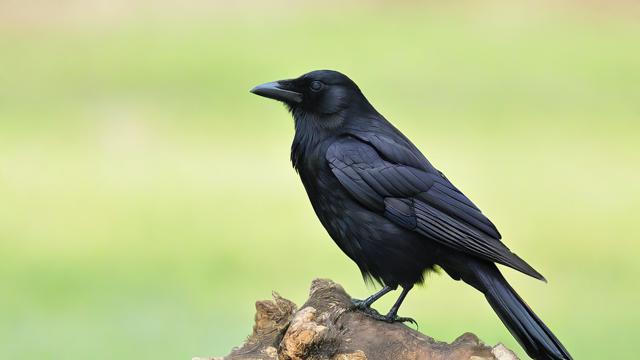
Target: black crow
pixel 392 212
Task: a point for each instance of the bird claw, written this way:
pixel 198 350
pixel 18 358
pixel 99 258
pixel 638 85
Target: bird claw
pixel 390 319
pixel 360 305
pixel 357 304
pixel 401 319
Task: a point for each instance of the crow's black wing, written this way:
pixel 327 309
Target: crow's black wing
pixel 397 149
pixel 416 196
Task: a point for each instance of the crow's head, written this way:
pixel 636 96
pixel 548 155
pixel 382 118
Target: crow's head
pixel 321 94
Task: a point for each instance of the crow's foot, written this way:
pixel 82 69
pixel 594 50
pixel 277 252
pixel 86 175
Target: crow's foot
pixel 362 306
pixel 389 318
pixel 401 319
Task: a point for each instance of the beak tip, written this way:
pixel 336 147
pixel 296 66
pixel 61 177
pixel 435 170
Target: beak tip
pixel 274 90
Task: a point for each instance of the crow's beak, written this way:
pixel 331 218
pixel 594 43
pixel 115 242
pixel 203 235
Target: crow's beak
pixel 275 90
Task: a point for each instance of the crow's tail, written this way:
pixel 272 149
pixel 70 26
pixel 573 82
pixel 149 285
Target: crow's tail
pixel 532 334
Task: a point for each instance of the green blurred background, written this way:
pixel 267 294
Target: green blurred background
pixel 132 222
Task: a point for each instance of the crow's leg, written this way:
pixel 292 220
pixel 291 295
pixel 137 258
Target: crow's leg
pixel 366 303
pixel 392 316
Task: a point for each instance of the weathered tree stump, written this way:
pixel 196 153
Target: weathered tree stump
pixel 325 327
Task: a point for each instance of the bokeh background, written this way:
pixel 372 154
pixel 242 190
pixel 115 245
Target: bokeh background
pixel 147 200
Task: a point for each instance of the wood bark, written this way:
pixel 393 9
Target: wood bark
pixel 326 327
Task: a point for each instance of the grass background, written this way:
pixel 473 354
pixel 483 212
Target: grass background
pixel 147 198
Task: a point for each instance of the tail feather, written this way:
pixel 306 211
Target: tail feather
pixel 532 334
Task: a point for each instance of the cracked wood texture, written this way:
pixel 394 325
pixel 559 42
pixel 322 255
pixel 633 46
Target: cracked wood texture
pixel 325 328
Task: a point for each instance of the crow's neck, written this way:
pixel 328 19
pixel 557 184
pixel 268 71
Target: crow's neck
pixel 312 133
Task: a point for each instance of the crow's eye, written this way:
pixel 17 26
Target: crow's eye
pixel 316 85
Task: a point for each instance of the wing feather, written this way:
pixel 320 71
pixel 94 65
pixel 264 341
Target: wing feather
pixel 418 198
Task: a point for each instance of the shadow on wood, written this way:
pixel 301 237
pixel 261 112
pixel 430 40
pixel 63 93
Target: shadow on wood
pixel 325 328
